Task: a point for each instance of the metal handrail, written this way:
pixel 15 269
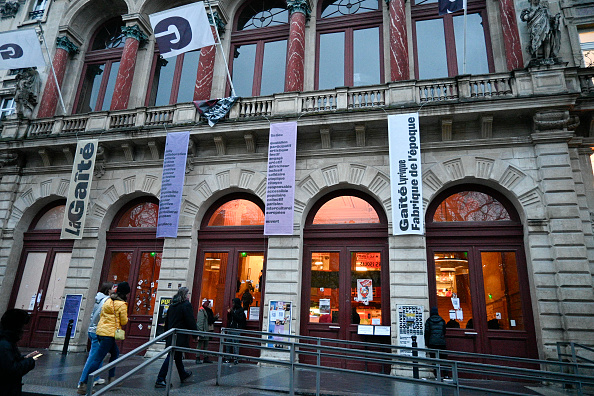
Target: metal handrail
pixel 235 337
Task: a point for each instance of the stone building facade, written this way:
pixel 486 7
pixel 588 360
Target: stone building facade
pixel 517 137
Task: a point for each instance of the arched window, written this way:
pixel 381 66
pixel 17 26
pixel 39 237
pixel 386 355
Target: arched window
pixel 346 209
pixel 41 276
pixel 477 272
pixel 102 62
pixel 438 40
pixel 349 50
pixel 259 48
pixel 133 254
pixel 238 212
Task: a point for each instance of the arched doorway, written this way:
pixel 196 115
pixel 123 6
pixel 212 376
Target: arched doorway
pixel 231 258
pixel 41 275
pixel 133 254
pixel 475 253
pixel 345 249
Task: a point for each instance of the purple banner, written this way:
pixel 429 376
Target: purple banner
pixel 172 183
pixel 280 187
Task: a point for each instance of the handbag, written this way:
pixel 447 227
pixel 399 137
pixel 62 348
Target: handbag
pixel 120 334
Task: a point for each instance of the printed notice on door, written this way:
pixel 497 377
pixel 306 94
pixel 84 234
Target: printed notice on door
pixel 280 187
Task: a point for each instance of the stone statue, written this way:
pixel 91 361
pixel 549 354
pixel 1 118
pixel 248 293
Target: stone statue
pixel 27 92
pixel 9 9
pixel 545 33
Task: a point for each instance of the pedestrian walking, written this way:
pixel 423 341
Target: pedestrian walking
pixel 180 315
pixel 435 331
pixel 13 365
pixel 114 315
pixel 205 322
pixel 235 320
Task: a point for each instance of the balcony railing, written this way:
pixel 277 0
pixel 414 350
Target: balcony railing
pixel 467 88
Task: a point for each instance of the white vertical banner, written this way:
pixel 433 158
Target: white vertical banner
pixel 79 190
pixel 172 183
pixel 406 178
pixel 280 183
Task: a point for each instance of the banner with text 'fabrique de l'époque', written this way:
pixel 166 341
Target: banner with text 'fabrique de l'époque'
pixel 280 183
pixel 406 178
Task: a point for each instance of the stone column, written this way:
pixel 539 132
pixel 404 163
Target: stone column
pixel 204 76
pixel 121 93
pixel 560 262
pixel 511 35
pixel 294 71
pixel 50 98
pixel 399 66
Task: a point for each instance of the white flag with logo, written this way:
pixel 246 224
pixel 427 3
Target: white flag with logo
pixel 181 29
pixel 20 49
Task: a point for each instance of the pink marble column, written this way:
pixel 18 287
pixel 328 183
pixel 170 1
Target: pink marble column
pixel 511 35
pixel 50 98
pixel 123 85
pixel 398 41
pixel 204 76
pixel 299 10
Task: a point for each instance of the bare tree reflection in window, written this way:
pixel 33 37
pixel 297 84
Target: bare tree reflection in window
pixel 143 215
pixel 470 206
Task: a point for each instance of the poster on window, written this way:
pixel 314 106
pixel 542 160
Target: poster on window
pixel 364 291
pixel 279 322
pixel 406 180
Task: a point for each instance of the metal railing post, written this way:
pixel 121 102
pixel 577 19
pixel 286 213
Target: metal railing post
pixel 220 360
pixel 415 353
pixel 318 362
pixel 171 357
pixel 292 373
pixel 438 369
pixel 455 378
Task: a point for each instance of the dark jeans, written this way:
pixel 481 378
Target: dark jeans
pixel 106 345
pixel 179 364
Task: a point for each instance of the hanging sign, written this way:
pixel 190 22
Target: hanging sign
pixel 79 190
pixel 172 183
pixel 20 49
pixel 406 179
pixel 280 183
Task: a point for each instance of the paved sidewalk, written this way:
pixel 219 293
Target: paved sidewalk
pixel 55 374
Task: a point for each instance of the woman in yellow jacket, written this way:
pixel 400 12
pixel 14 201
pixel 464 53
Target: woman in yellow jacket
pixel 114 315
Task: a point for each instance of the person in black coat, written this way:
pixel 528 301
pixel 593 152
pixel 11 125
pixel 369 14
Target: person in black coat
pixel 236 320
pixel 435 331
pixel 13 365
pixel 180 315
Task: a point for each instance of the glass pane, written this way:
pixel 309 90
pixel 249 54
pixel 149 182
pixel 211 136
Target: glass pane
pixel 142 215
pixel 109 35
pixel 244 58
pixel 30 281
pixel 366 288
pixel 113 73
pixel 324 304
pixel 366 57
pixel 187 80
pixel 263 14
pixel 470 206
pixel 273 67
pixel 476 49
pixel 431 49
pixel 90 89
pixel 55 287
pixel 146 286
pixel 331 60
pixel 52 219
pixel 213 281
pixel 336 8
pixel 346 210
pixel 249 279
pixel 452 280
pixel 119 267
pixel 163 80
pixel 238 212
pixel 502 291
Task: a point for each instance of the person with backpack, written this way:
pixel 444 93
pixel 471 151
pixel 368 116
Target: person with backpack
pixel 435 331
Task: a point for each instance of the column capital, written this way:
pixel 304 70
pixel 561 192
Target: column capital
pixel 134 32
pixel 555 120
pixel 218 21
pixel 301 6
pixel 64 43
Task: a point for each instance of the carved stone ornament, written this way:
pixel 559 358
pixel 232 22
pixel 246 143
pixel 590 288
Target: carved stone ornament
pixel 9 9
pixel 555 120
pixel 545 33
pixel 299 6
pixel 135 32
pixel 27 92
pixel 8 159
pixel 218 21
pixel 64 43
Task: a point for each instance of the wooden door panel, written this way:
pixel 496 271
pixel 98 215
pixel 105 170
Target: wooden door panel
pixel 45 325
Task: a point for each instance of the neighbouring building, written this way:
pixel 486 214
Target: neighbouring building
pixel 506 140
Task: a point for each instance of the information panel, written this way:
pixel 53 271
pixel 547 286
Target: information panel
pixel 279 321
pixel 71 309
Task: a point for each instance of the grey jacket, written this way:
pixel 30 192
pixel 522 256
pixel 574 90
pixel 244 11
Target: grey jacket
pixel 100 298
